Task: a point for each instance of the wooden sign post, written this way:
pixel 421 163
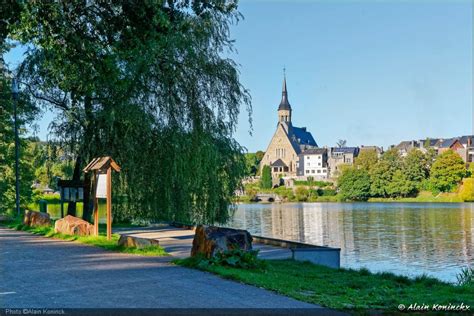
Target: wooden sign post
pixel 102 188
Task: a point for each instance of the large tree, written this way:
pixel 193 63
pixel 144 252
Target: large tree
pixel 145 82
pixel 447 171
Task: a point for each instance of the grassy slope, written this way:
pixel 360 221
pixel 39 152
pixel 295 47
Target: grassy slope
pixel 342 288
pixel 98 241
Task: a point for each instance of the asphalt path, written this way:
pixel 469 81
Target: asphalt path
pixel 39 272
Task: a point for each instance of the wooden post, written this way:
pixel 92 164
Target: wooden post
pixel 109 203
pixel 96 207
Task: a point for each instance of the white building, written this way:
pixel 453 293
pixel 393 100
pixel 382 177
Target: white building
pixel 313 163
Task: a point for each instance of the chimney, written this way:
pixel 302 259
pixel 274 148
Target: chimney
pixel 469 141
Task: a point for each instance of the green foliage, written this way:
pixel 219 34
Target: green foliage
pixel 415 167
pixel 235 258
pixel 366 159
pixel 447 171
pixel 252 162
pixel 159 97
pixel 266 180
pixel 354 184
pixel 302 194
pixel 467 190
pixel 400 185
pixel 466 277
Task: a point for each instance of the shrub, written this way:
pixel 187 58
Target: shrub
pixel 266 182
pixel 467 190
pixel 302 194
pixel 235 258
pixel 466 277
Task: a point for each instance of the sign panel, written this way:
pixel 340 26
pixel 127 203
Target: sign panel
pixel 101 191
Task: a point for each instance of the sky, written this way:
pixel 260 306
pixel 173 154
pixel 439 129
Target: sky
pixel 369 72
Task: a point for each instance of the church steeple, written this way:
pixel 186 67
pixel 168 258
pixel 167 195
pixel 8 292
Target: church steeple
pixel 284 109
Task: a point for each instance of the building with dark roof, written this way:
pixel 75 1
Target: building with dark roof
pixel 339 156
pixel 288 141
pixel 314 163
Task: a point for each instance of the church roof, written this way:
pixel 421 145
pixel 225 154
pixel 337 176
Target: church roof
pixel 278 163
pixel 284 104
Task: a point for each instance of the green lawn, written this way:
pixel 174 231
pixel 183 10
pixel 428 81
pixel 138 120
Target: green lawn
pixel 98 241
pixel 343 289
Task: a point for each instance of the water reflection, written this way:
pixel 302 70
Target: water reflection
pixel 404 238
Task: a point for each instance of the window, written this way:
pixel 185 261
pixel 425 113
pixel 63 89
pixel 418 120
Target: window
pixel 319 171
pixel 307 171
pixel 307 157
pixel 319 157
pixel 312 171
pixel 319 164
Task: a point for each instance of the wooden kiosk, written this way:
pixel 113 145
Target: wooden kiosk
pixel 102 188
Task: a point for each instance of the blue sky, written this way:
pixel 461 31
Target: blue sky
pixel 373 73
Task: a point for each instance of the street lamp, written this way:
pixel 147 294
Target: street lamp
pixel 15 92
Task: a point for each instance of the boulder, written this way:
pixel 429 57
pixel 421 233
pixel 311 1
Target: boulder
pixel 35 219
pixel 210 240
pixel 71 225
pixel 137 242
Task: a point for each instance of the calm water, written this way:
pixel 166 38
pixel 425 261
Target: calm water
pixel 403 238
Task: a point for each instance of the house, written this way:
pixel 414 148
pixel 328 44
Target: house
pixel 287 143
pixel 378 150
pixel 467 152
pixel 451 143
pixel 341 156
pixel 406 146
pixel 314 163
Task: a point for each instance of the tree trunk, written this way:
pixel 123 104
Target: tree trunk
pixel 76 177
pixel 86 209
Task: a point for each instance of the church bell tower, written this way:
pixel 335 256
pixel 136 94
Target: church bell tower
pixel 284 109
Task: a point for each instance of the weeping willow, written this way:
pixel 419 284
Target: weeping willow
pixel 147 83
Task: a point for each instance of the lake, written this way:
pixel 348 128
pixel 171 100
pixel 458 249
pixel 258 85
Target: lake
pixel 403 238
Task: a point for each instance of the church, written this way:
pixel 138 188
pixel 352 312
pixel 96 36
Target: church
pixel 288 141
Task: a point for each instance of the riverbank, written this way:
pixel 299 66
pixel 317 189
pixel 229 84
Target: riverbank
pixel 343 289
pixel 423 197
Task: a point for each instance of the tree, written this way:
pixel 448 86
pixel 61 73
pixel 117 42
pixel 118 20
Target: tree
pixel 382 172
pixel 366 160
pixel 447 171
pixel 26 113
pixel 147 83
pixel 416 167
pixel 400 185
pixel 266 181
pixel 354 184
pixel 341 143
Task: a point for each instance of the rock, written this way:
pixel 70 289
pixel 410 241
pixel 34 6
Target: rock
pixel 71 225
pixel 209 240
pixel 137 242
pixel 35 219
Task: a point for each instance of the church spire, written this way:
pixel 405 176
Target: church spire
pixel 284 104
pixel 284 109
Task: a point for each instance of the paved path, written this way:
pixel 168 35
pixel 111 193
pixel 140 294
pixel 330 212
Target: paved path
pixel 178 241
pixel 47 273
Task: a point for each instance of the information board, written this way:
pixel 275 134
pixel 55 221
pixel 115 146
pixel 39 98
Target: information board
pixel 101 191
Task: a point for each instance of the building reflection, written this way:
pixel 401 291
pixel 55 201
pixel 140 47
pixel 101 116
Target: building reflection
pixel 409 239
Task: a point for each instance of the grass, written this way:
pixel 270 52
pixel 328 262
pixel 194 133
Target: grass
pixel 343 289
pixel 98 241
pixel 424 196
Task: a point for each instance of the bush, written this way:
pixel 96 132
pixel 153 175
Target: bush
pixel 326 192
pixel 235 258
pixel 302 194
pixel 266 182
pixel 467 190
pixel 466 277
